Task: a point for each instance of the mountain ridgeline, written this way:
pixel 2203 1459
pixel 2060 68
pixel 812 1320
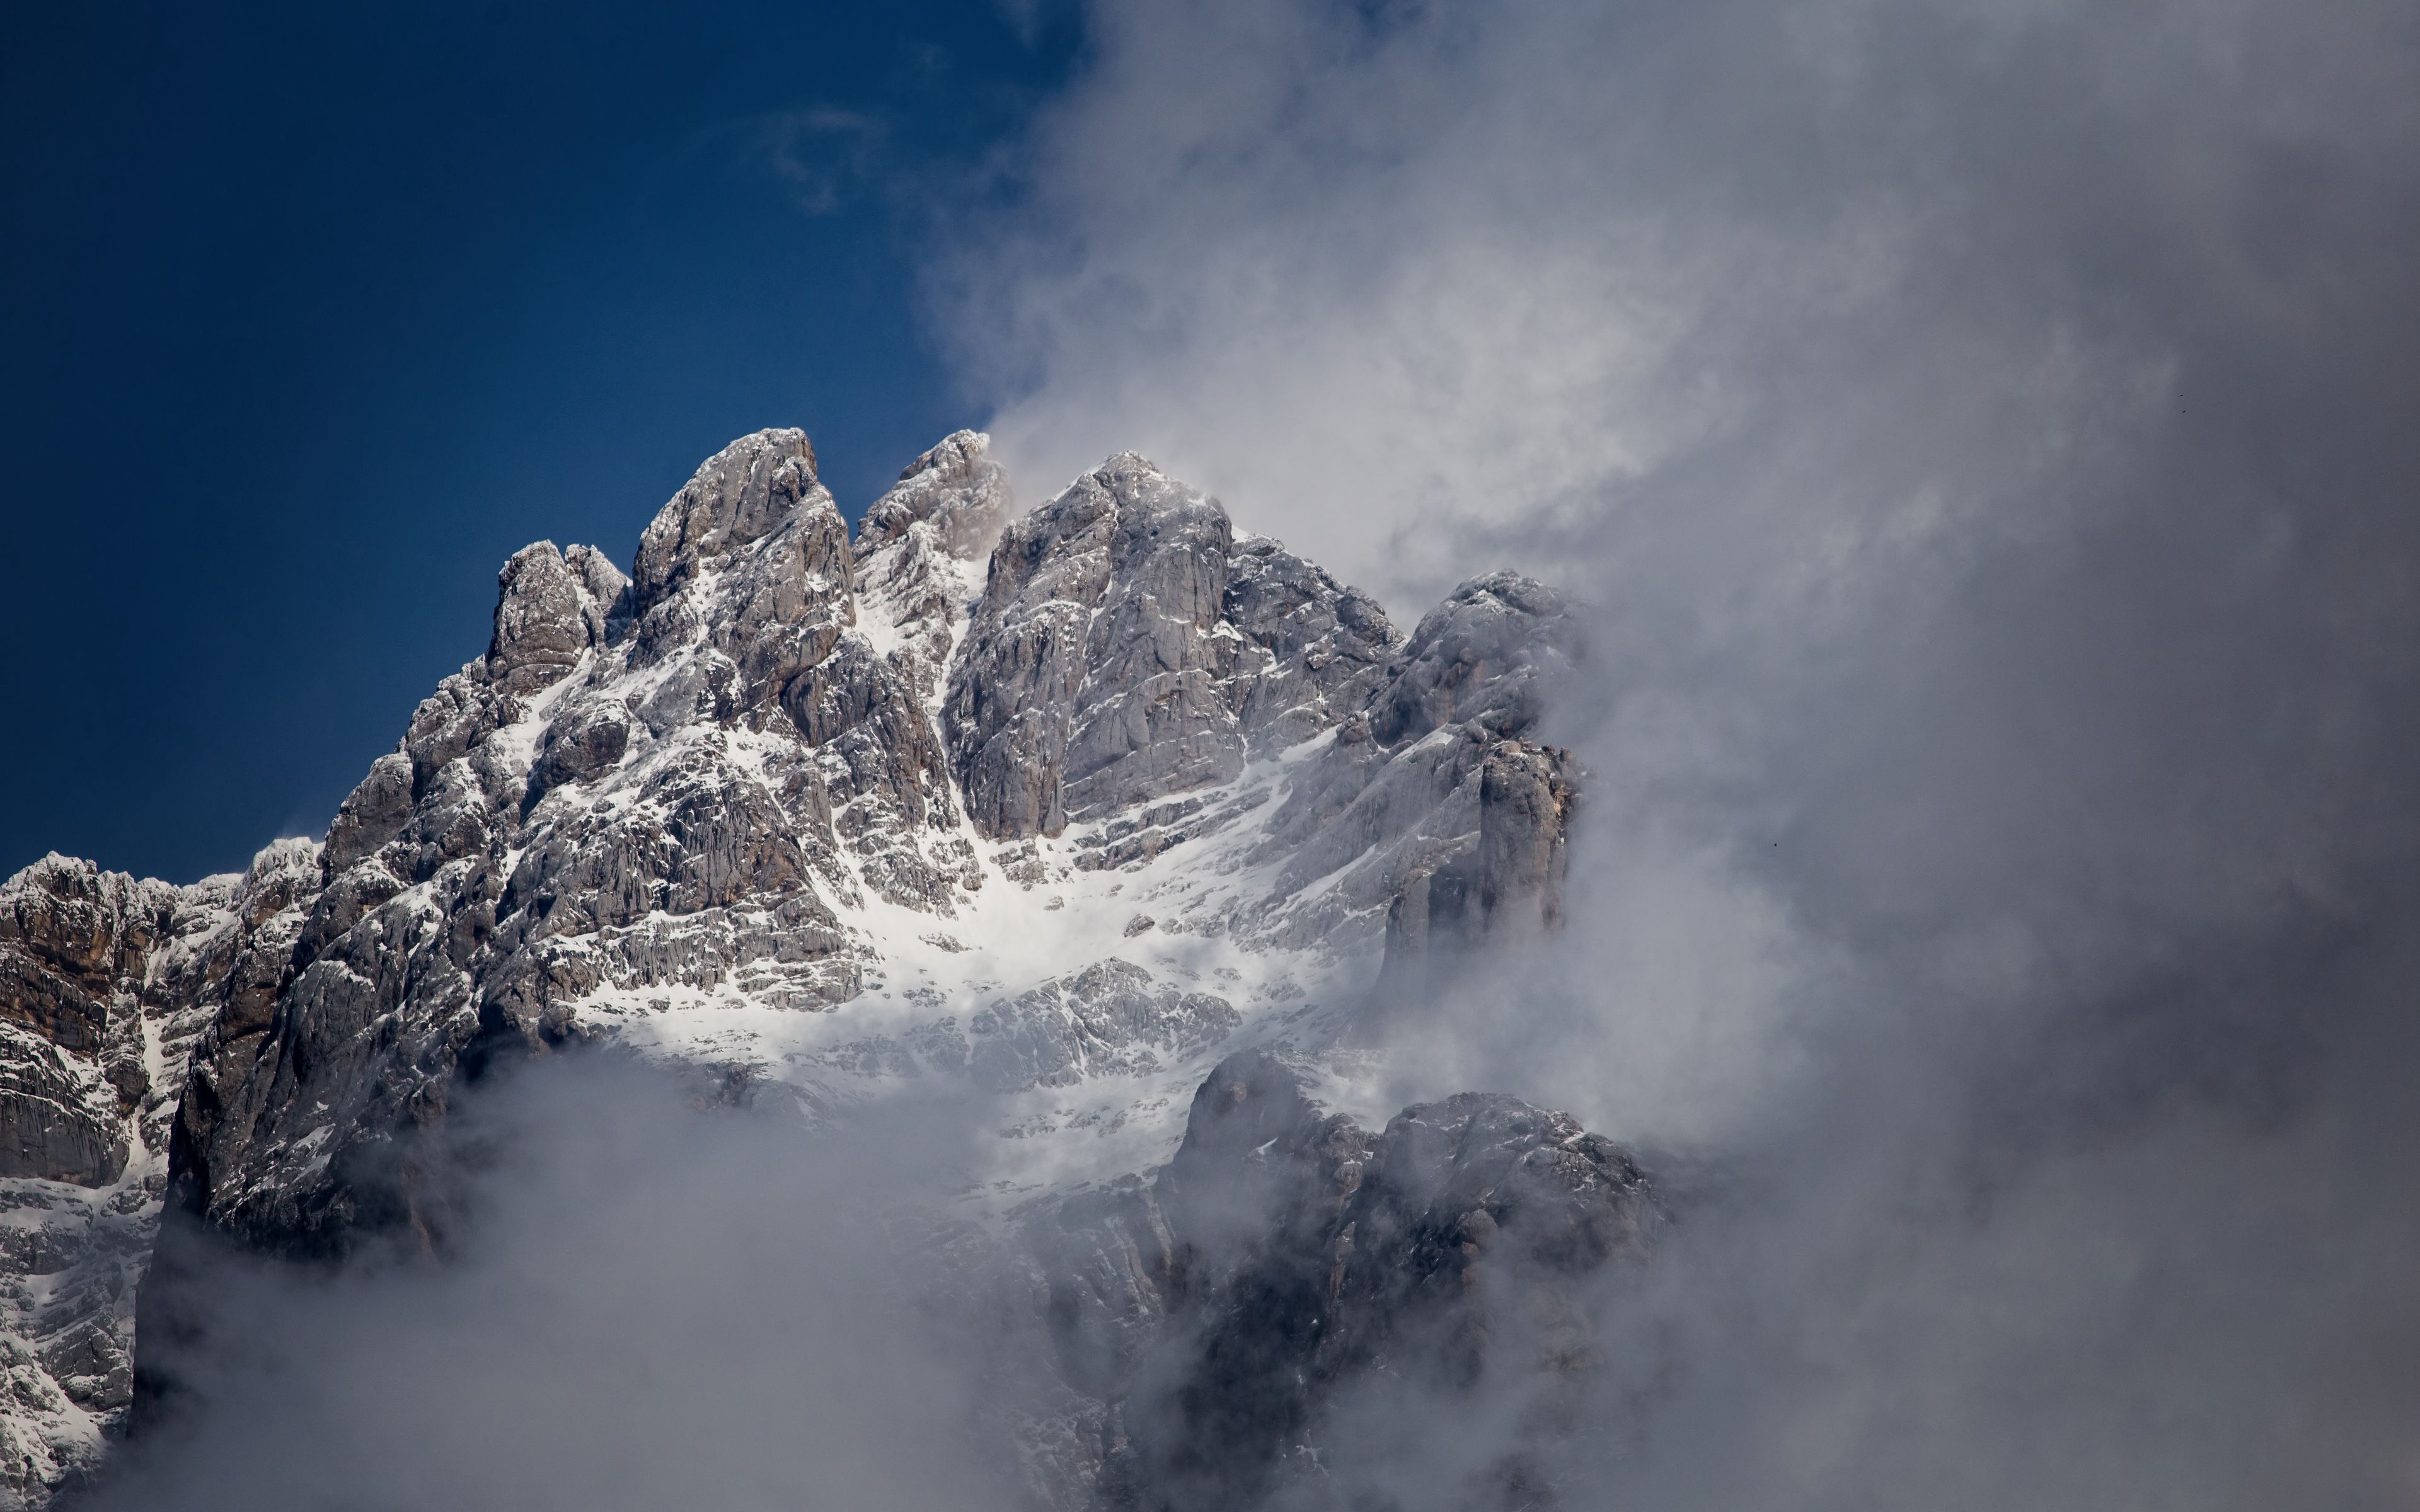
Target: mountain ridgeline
pixel 1113 819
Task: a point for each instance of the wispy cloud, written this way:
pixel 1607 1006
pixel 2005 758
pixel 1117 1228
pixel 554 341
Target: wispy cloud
pixel 820 154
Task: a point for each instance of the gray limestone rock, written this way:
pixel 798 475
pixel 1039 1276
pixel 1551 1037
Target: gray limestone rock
pixel 1527 797
pixel 1318 649
pixel 54 1123
pixel 373 813
pixel 545 621
pixel 1127 648
pixel 70 934
pixel 1504 889
pixel 1488 655
pixel 578 747
pixel 455 720
pixel 105 983
pixel 1393 800
pixel 881 765
pixel 956 487
pixel 1149 718
pixel 607 604
pixel 1013 686
pixel 917 544
pixel 677 816
pixel 744 492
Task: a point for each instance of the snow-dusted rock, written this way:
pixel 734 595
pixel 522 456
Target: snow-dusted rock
pixel 105 984
pixel 546 617
pixel 1128 648
pixel 753 487
pixel 1487 656
pixel 1061 809
pixel 1312 651
pixel 957 489
pixel 721 783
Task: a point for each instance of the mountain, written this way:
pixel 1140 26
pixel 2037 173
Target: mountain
pixel 1104 814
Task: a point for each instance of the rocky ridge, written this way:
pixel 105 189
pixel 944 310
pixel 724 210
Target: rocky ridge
pixel 1069 804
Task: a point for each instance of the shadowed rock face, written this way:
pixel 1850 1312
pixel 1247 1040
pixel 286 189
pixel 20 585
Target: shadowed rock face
pixel 75 947
pixel 105 984
pixel 761 773
pixel 1284 1253
pixel 1487 656
pixel 1508 886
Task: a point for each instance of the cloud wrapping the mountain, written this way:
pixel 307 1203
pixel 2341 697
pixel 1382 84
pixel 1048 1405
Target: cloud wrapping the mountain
pixel 643 1297
pixel 1983 430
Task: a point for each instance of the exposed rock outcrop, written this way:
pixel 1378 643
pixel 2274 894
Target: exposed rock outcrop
pixel 550 613
pixel 1285 1254
pixel 1396 798
pixel 687 781
pixel 918 545
pixel 75 947
pixel 756 485
pixel 957 489
pixel 1312 651
pixel 1128 649
pixel 1504 889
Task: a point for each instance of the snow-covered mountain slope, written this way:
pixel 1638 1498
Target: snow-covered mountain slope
pixel 1064 809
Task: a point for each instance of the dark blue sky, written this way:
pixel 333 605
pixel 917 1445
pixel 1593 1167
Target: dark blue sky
pixel 315 314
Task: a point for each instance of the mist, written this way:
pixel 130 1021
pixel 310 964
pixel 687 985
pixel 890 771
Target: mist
pixel 1983 433
pixel 642 1294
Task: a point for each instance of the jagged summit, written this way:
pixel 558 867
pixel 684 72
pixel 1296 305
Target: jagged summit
pixel 735 780
pixel 956 487
pixel 1112 661
pixel 754 487
pixel 1065 805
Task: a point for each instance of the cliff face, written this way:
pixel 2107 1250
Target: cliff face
pixel 105 984
pixel 1065 805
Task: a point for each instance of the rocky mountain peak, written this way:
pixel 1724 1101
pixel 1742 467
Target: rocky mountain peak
pixel 1067 807
pixel 1112 661
pixel 743 493
pixel 1285 1255
pixel 1488 655
pixel 552 608
pixel 918 549
pixel 956 487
